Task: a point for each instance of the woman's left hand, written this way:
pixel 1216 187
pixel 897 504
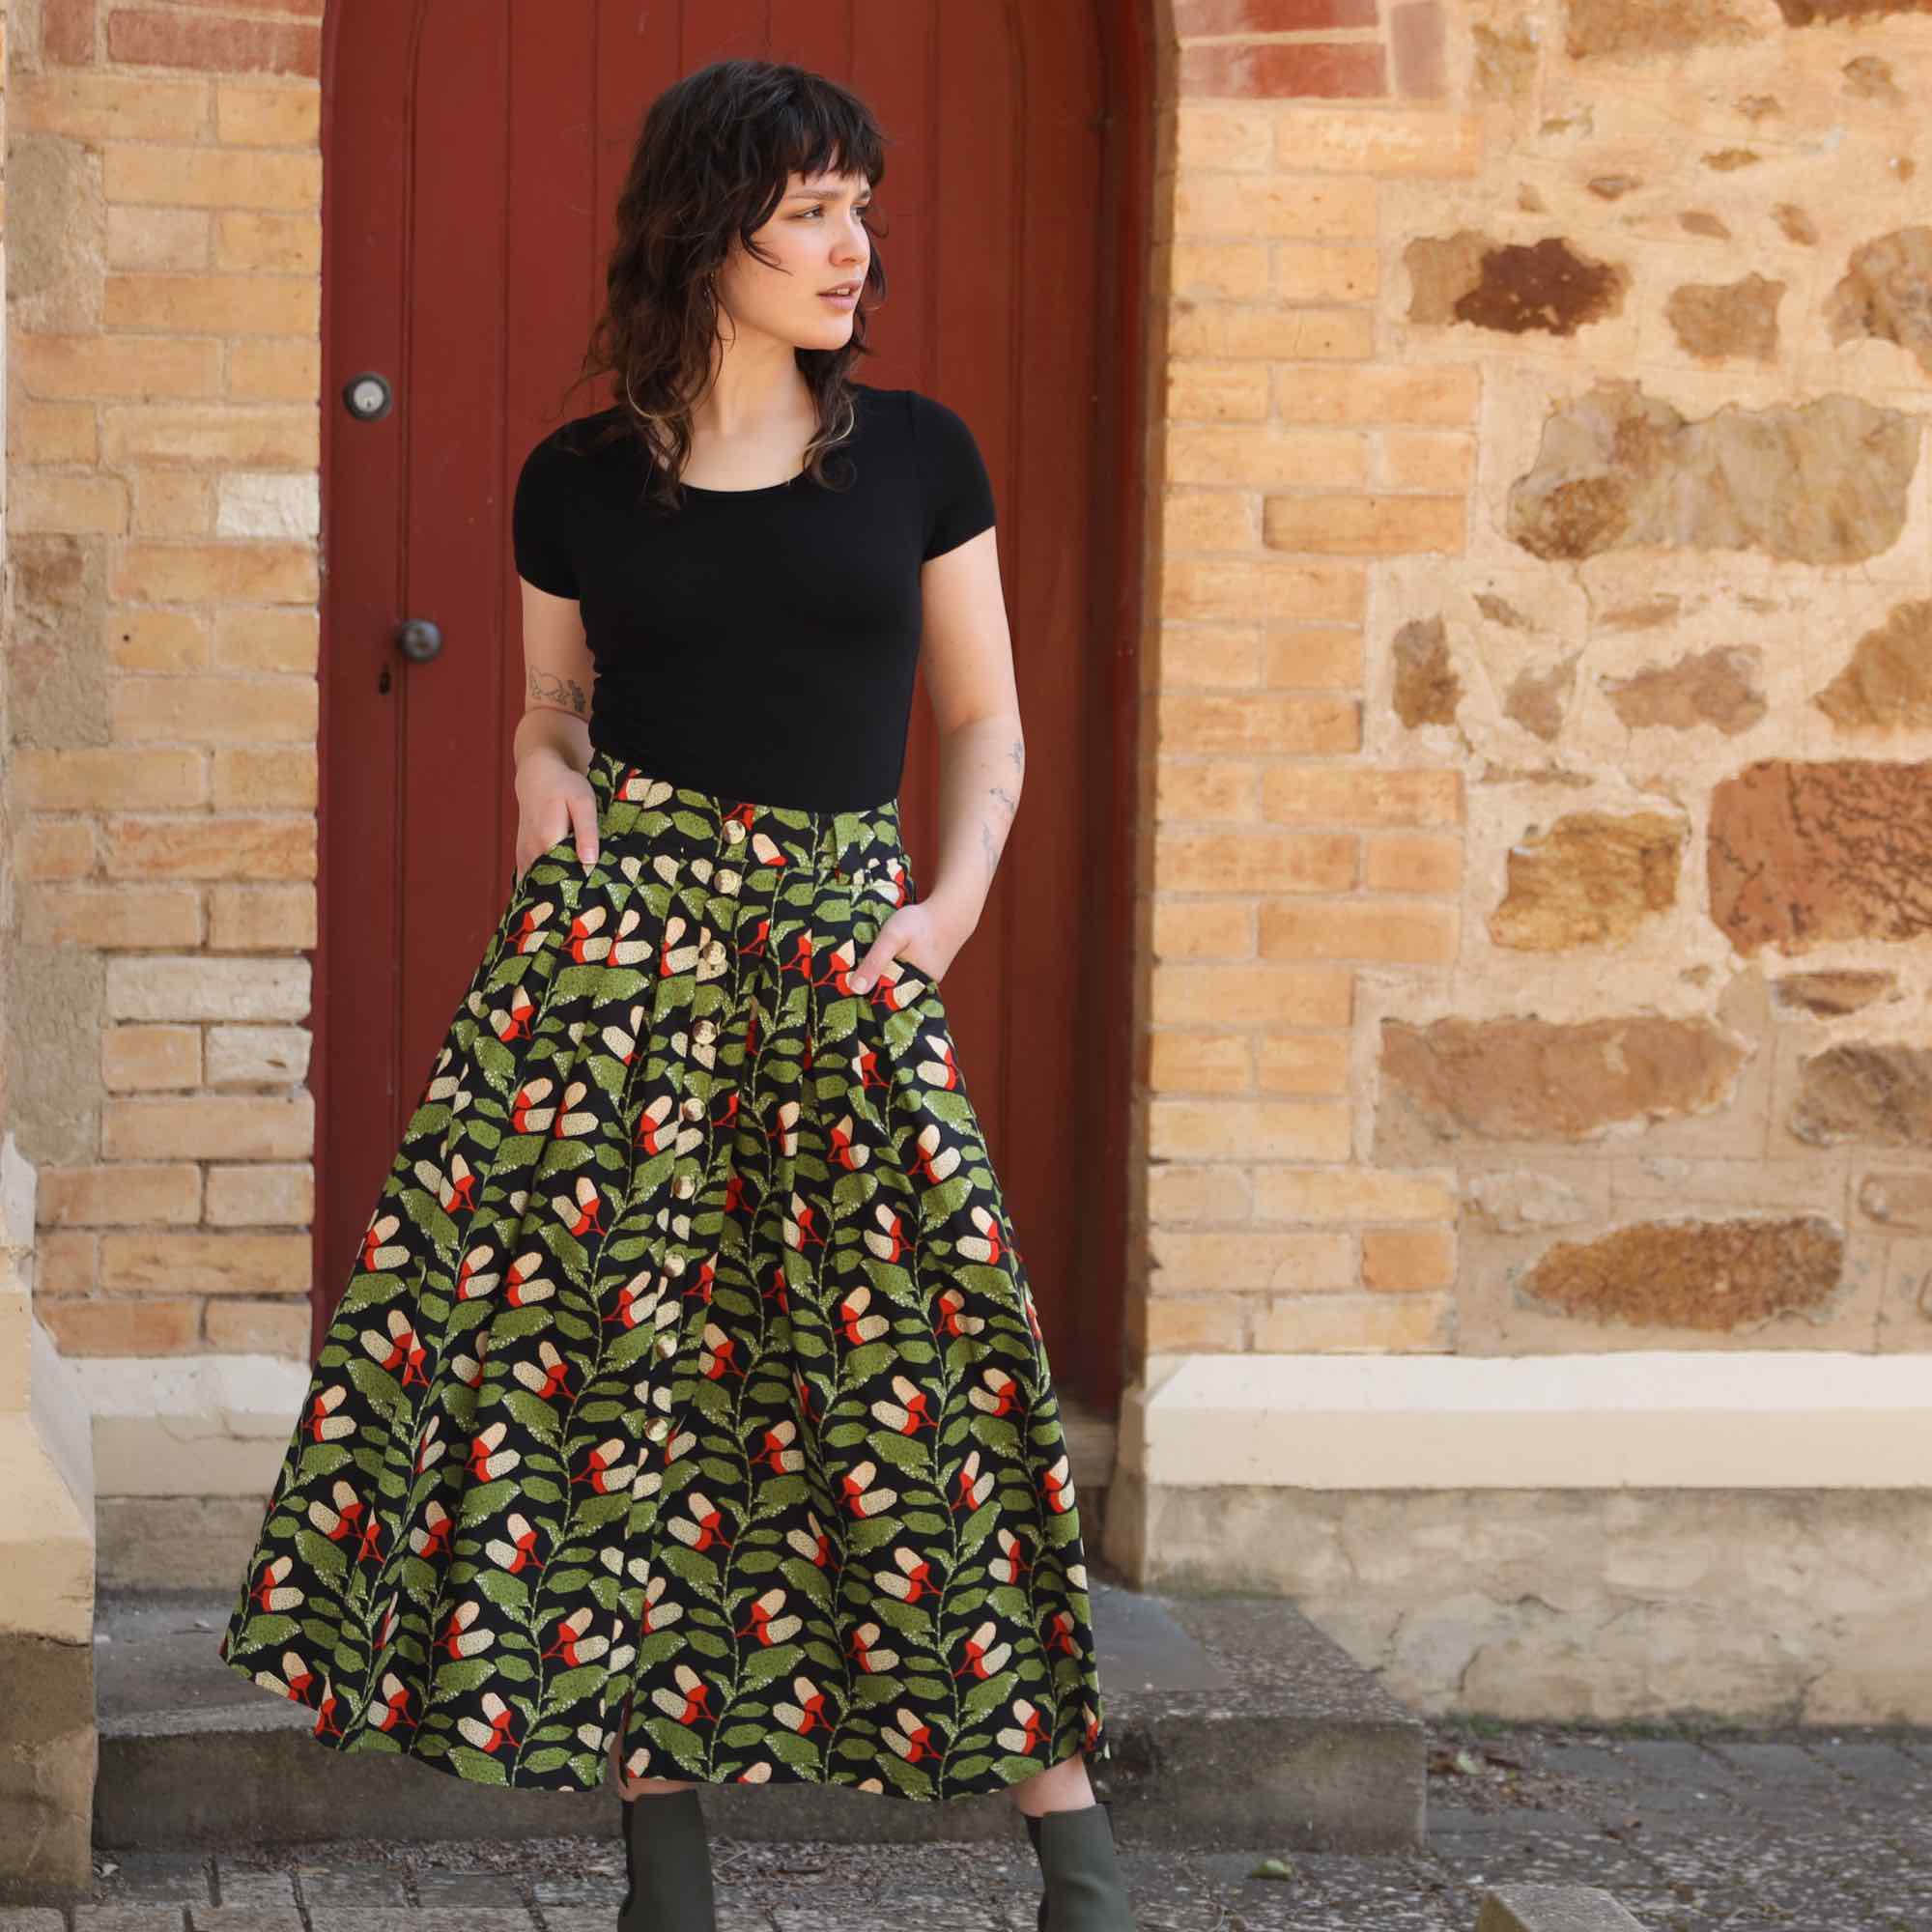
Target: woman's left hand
pixel 923 936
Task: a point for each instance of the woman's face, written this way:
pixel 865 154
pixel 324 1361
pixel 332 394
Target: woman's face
pixel 817 239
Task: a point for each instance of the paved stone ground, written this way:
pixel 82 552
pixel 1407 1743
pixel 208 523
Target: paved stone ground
pixel 1711 1831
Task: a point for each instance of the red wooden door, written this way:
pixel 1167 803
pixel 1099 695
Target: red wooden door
pixel 473 155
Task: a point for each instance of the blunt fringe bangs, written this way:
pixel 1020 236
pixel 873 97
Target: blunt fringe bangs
pixel 712 162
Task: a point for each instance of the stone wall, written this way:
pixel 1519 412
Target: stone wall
pixel 1541 716
pixel 164 248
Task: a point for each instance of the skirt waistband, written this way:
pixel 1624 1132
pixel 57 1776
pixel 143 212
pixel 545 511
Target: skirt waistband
pixel 689 819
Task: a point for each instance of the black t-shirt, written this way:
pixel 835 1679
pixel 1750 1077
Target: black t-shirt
pixel 756 644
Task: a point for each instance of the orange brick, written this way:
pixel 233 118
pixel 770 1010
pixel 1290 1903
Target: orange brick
pixel 1362 795
pixel 1319 394
pixel 1331 271
pixel 260 370
pixel 258 1327
pixel 1273 333
pixel 65 432
pixel 1216 391
pixel 1253 862
pixel 1212 134
pixel 55 848
pixel 1232 1129
pixel 1328 658
pixel 106 106
pixel 1194 789
pixel 1364 526
pixel 1366 141
pixel 1200 1062
pixel 1260 724
pixel 276 778
pixel 1197 520
pixel 207 1264
pixel 1238 590
pixel 215 305
pixel 1402 1261
pixel 1236 205
pixel 112 917
pixel 1192 1323
pixel 76 505
pixel 289 244
pixel 128 1194
pixel 284 641
pixel 1416 459
pixel 1350 1195
pixel 96 780
pixel 1353 1325
pixel 1303 1062
pixel 1187 1261
pixel 142 1058
pixel 1192 928
pixel 109 365
pixel 207 846
pixel 66 1261
pixel 268 117
pixel 237 573
pixel 1265 456
pixel 123 1327
pixel 169 641
pixel 215 710
pixel 172 502
pixel 1377 932
pixel 262 1195
pixel 1252 995
pixel 139 237
pixel 262 918
pixel 1229 655
pixel 239 1127
pixel 1219 270
pixel 245 439
pixel 1179 1193
pixel 1413 861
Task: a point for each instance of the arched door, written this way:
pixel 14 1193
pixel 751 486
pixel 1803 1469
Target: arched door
pixel 473 155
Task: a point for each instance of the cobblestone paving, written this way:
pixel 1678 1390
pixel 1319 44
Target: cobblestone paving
pixel 1814 1831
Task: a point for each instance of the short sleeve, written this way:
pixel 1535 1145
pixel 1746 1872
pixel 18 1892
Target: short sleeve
pixel 958 491
pixel 541 522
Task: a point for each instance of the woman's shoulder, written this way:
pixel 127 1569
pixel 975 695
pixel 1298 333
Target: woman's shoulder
pixel 584 435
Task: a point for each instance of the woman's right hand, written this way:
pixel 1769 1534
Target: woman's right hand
pixel 555 802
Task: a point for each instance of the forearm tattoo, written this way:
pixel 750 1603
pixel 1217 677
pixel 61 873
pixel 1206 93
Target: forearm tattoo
pixel 992 843
pixel 547 688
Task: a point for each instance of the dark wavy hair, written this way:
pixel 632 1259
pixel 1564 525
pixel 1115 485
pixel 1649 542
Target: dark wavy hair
pixel 712 159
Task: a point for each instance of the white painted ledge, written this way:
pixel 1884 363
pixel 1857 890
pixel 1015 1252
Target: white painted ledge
pixel 1670 1419
pixel 190 1424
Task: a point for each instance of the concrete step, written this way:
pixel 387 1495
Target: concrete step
pixel 1235 1721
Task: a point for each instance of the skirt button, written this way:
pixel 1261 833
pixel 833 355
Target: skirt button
pixel 693 1107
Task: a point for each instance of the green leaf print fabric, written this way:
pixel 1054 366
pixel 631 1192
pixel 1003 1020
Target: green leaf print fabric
pixel 687 1403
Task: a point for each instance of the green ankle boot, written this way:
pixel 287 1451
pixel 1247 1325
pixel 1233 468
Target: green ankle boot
pixel 667 1864
pixel 1084 1888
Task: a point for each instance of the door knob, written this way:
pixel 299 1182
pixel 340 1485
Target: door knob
pixel 418 639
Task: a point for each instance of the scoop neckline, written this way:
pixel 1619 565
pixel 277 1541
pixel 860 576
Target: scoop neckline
pixel 762 489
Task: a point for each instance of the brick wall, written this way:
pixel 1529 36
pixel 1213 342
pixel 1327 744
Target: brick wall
pixel 162 450
pixel 1540 710
pixel 1289 861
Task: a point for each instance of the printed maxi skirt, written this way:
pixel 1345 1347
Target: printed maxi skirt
pixel 687 1408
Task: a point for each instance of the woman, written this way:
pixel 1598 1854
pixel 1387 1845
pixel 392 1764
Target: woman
pixel 689 1406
